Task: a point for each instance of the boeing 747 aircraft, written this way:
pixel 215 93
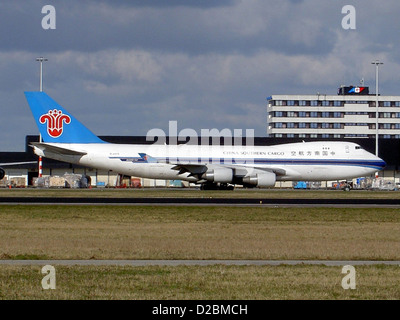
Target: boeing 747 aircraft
pixel 66 139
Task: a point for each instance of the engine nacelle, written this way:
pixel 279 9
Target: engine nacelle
pixel 2 173
pixel 221 175
pixel 266 179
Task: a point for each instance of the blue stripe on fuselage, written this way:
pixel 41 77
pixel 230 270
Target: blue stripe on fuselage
pixel 376 164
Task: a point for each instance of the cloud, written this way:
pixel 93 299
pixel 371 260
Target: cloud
pixel 124 67
pixel 169 3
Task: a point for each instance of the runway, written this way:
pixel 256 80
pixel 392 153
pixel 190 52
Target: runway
pixel 141 263
pixel 206 201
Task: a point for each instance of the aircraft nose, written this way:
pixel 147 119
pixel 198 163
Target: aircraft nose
pixel 380 162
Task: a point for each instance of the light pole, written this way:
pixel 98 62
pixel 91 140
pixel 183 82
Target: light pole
pixel 377 63
pixel 41 59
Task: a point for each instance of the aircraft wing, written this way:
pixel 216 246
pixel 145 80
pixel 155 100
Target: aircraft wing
pixel 10 164
pixel 199 169
pixel 193 169
pixel 57 150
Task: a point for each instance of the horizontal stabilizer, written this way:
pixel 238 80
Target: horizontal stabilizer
pixel 57 150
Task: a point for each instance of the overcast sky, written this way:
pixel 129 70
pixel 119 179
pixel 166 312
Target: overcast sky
pixel 125 67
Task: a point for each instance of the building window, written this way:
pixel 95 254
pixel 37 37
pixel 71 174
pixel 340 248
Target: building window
pixel 386 104
pixel 325 114
pixel 326 126
pixel 290 102
pixel 337 103
pixel 291 114
pixel 314 103
pixel 278 114
pixel 314 114
pixel 314 125
pixel 302 103
pixel 302 114
pixel 338 114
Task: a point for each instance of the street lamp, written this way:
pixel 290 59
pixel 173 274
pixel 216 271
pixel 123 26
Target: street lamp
pixel 41 59
pixel 377 63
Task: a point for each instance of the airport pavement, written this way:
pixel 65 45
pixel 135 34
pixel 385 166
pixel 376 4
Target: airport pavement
pixel 291 202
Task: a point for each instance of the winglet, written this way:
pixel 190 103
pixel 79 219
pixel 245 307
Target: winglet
pixel 147 158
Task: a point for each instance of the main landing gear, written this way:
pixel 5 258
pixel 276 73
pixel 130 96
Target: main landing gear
pixel 216 186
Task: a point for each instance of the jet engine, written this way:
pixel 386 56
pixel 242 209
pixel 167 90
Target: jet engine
pixel 221 175
pixel 2 173
pixel 266 179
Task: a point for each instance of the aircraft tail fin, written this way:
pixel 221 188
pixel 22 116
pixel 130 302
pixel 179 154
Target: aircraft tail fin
pixel 147 158
pixel 55 123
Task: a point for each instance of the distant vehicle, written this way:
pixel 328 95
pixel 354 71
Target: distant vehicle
pixel 66 139
pixel 300 185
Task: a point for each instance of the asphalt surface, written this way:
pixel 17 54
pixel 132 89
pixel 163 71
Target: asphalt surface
pixel 364 202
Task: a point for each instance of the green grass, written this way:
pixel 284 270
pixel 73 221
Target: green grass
pixel 205 283
pixel 149 232
pixel 136 232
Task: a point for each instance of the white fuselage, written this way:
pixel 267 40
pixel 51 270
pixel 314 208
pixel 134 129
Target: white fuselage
pixel 310 161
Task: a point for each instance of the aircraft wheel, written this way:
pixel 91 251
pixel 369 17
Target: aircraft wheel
pixel 347 188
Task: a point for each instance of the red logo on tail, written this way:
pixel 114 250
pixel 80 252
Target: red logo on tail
pixel 55 119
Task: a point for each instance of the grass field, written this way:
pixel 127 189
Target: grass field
pixel 136 232
pixel 205 283
pixel 146 232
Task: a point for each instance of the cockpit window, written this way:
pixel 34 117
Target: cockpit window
pixel 358 148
